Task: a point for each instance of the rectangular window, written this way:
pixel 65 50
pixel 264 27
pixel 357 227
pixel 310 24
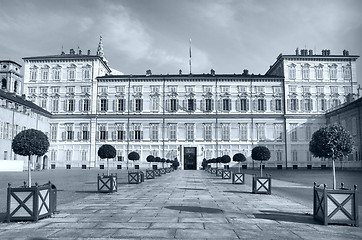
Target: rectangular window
pixel 347 90
pixel 207 132
pixel 104 105
pixel 225 89
pixel 56 74
pixel 242 89
pixel 279 155
pixel 293 104
pixel 55 89
pixel 155 102
pixel 173 105
pixel 260 89
pixel 120 89
pixel 294 156
pixel 226 104
pixel 323 104
pixel 208 105
pixel 137 89
pixel 68 155
pixel 121 135
pixel 103 132
pixel 43 103
pixel 277 90
pixel 333 73
pixel 308 104
pixel 305 73
pixel 86 105
pixel 293 132
pixel 85 89
pixel 121 105
pixel 225 132
pixel 319 73
pixel 278 104
pixel 32 90
pixel 347 73
pixel 85 132
pixel 53 132
pixel 138 105
pixel 320 90
pixel 191 104
pixel 306 89
pixel 84 155
pixel 261 105
pixel 71 74
pixel 190 132
pixel 207 89
pixel 53 155
pixel 154 132
pixel 243 131
pixel 309 156
pixel 45 75
pixel 189 89
pixel 69 132
pixel 102 90
pixel 292 89
pixel 172 131
pixel 260 131
pixel 308 132
pixel 172 89
pixel 278 131
pixel 71 104
pixel 33 74
pixel 243 104
pixel 334 90
pixel 87 73
pixel 137 132
pixel 291 72
pixel 155 89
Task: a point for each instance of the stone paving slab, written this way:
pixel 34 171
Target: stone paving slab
pixel 180 205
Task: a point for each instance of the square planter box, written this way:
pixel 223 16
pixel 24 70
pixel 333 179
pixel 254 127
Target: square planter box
pixel 338 206
pixel 238 178
pixel 226 174
pixel 31 203
pixel 107 183
pixel 134 177
pixel 150 174
pixel 219 172
pixel 157 172
pixel 262 184
pixel 163 170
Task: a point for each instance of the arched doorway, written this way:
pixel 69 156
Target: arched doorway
pixel 190 158
pixel 45 162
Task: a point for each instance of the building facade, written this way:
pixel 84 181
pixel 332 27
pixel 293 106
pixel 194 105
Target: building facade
pixel 187 116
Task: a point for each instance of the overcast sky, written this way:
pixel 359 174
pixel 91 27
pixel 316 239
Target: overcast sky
pixel 228 35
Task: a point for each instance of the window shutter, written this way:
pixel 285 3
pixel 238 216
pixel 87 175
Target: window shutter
pixel 65 105
pixel 114 135
pixel 212 104
pixel 297 105
pixel 184 105
pixel 72 135
pixel 98 105
pixel 229 104
pixel 141 107
pixel 247 104
pixel 131 135
pixel 272 105
pixel 311 104
pixel 131 105
pixel 141 135
pixel 255 104
pixel 194 104
pixel 202 107
pixel 80 105
pixel 238 104
pixel 106 105
pixel 78 136
pixel 124 104
pixel 97 135
pixel 219 104
pixel 114 105
pixel 264 103
pixel 106 135
pixel 167 105
pixel 302 102
pixel 63 136
pixel 288 104
pixel 177 105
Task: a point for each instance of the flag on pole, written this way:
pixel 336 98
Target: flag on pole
pixel 190 55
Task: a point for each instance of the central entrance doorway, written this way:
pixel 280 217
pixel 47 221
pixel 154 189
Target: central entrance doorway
pixel 190 158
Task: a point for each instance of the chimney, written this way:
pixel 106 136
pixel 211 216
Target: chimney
pixel 88 52
pixel 71 51
pixel 180 72
pixel 297 51
pixel 80 52
pixel 245 72
pixel 212 71
pixel 328 52
pixel 62 53
pixel 148 72
pixel 310 52
pixel 323 52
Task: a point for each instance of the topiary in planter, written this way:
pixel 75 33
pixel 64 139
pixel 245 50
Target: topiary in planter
pixel 30 142
pixel 107 151
pixel 133 156
pixel 150 159
pixel 331 142
pixel 225 159
pixel 260 153
pixel 239 157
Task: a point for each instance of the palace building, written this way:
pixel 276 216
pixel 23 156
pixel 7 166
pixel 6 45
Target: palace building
pixel 188 116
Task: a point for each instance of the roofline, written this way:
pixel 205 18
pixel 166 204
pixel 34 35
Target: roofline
pixel 68 57
pixel 11 61
pixel 190 76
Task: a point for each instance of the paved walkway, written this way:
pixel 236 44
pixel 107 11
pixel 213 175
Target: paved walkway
pixel 180 205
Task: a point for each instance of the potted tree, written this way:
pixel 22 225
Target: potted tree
pixel 175 164
pixel 333 205
pixel 134 176
pixel 204 164
pixel 107 183
pixel 28 202
pixel 226 174
pixel 163 170
pixel 238 177
pixel 150 173
pixel 261 184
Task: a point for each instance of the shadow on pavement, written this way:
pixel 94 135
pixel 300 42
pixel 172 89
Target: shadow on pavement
pixel 230 191
pixel 286 217
pixel 86 191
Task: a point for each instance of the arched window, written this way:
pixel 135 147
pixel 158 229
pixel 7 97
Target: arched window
pixel 3 84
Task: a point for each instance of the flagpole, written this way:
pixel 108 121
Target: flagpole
pixel 190 56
